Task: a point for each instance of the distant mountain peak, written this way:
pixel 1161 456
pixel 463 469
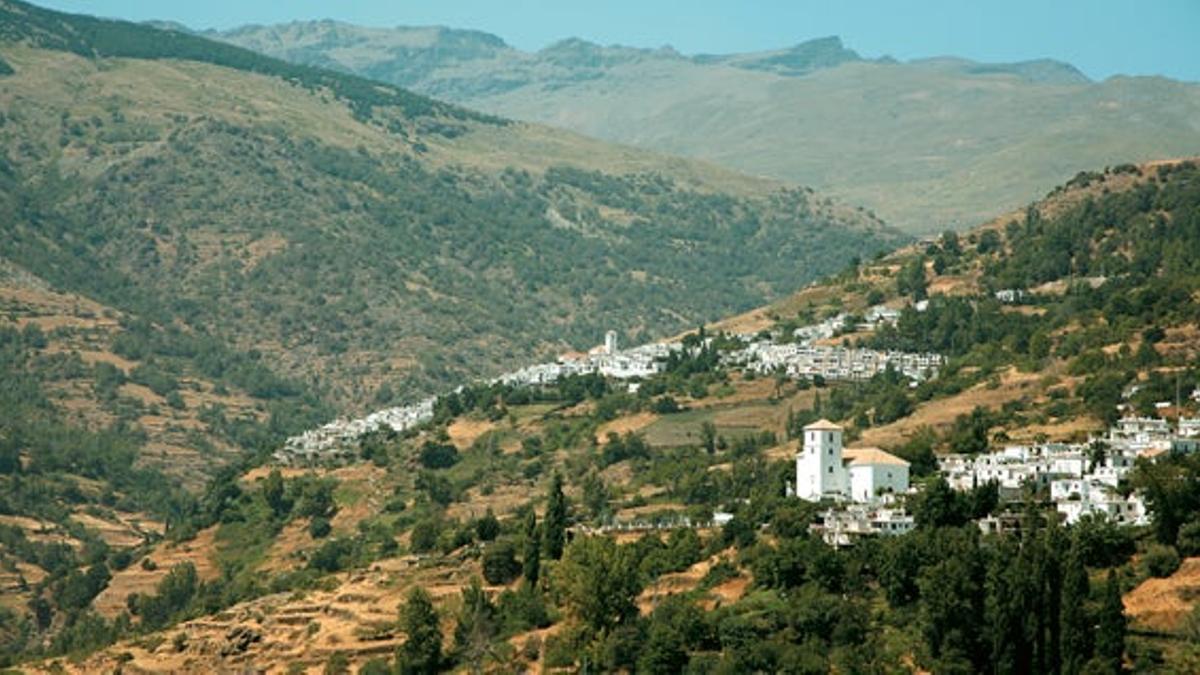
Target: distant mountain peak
pixel 799 59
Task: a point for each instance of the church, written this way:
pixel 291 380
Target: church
pixel 825 471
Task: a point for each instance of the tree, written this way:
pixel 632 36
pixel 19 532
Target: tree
pixel 1076 624
pixel 487 528
pixel 316 500
pixel 434 455
pixel 600 582
pixel 274 493
pixel 595 494
pixel 475 626
pixel 911 280
pixel 665 651
pixel 500 564
pixel 708 436
pixel 951 611
pixel 422 650
pixel 554 526
pixel 531 558
pixel 1110 632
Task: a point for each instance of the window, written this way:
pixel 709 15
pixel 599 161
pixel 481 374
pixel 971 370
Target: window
pixel 831 468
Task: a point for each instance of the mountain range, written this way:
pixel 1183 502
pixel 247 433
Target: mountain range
pixel 918 142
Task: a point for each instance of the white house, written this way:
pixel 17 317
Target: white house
pixel 873 472
pixel 825 470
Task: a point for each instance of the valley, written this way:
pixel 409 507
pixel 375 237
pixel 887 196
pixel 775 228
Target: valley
pixel 307 372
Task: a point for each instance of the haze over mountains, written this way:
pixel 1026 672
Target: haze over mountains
pixel 921 143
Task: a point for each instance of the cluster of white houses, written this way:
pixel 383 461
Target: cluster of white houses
pixel 335 440
pixel 1083 479
pixel 836 363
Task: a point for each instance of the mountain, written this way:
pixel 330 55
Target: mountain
pixel 206 250
pixel 339 227
pixel 324 566
pixel 919 143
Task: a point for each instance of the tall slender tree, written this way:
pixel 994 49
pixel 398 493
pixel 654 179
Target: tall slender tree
pixel 531 558
pixel 1110 632
pixel 554 526
pixel 1076 624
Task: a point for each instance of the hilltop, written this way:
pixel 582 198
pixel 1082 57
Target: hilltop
pixel 312 566
pixel 918 142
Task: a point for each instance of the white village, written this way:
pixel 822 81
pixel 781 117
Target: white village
pixel 865 488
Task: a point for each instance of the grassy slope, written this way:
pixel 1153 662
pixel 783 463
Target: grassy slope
pixel 921 143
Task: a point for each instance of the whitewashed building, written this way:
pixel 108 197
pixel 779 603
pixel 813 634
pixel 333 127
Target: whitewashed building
pixel 825 470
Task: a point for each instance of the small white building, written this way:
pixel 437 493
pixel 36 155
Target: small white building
pixel 825 470
pixel 873 473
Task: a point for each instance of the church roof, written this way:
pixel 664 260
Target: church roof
pixel 822 425
pixel 870 456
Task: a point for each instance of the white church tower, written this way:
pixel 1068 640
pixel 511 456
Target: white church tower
pixel 819 470
pixel 610 342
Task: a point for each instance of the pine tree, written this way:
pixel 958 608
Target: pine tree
pixel 554 527
pixel 1110 634
pixel 475 627
pixel 1076 630
pixel 422 651
pixel 531 562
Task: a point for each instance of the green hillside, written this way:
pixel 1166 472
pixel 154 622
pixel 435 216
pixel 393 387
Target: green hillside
pixel 920 143
pixel 365 240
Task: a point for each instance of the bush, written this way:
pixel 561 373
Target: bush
pixel 500 564
pixel 425 536
pixel 319 528
pixel 438 455
pixel 1188 541
pixel 1160 561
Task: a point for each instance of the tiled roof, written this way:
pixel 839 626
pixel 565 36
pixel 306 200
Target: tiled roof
pixel 822 425
pixel 868 456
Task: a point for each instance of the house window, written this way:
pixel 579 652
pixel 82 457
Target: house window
pixel 831 469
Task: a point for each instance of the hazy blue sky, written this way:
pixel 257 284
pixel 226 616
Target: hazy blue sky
pixel 1101 37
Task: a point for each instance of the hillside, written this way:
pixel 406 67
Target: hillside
pixel 919 142
pixel 323 566
pixel 206 250
pixel 363 240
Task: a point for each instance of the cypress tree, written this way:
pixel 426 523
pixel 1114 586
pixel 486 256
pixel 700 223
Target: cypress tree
pixel 531 562
pixel 1076 629
pixel 554 527
pixel 1110 634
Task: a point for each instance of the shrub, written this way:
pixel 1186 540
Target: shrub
pixel 319 527
pixel 500 564
pixel 1188 541
pixel 1160 561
